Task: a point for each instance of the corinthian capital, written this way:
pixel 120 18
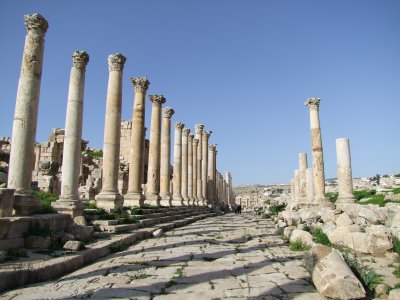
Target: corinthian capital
pixel 186 131
pixel 199 128
pixel 212 147
pixel 206 134
pixel 80 59
pixel 141 84
pixel 167 112
pixel 195 142
pixel 157 100
pixel 190 138
pixel 312 103
pixel 179 125
pixel 36 23
pixel 116 62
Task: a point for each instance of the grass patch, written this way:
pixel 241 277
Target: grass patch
pixel 120 215
pixel 363 194
pixel 396 191
pixel 396 245
pixel 46 199
pixel 170 283
pixel 397 272
pixel 299 246
pixel 375 199
pixel 136 211
pixel 321 238
pixel 267 202
pixel 332 197
pixel 142 276
pixel 117 247
pixel 275 209
pixel 90 205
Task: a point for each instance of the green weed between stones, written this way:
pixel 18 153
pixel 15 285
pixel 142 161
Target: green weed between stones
pixel 397 271
pixel 299 246
pixel 321 238
pixel 332 197
pixel 275 209
pixel 45 199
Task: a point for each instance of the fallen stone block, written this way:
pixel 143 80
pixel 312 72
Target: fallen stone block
pixel 378 240
pixel 343 220
pixel 331 275
pixel 303 236
pixel 38 242
pixel 158 233
pixel 73 246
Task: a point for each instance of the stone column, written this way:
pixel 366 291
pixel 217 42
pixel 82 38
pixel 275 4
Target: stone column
pixel 25 117
pixel 302 178
pixel 344 175
pixel 292 190
pixel 69 202
pixel 153 170
pixel 310 187
pixel 38 149
pixel 109 197
pixel 228 178
pixel 317 153
pixel 195 181
pixel 142 167
pixel 199 135
pixel 211 175
pixel 165 193
pixel 177 176
pixel 204 165
pixel 190 169
pixel 184 183
pixel 134 196
pixel 296 186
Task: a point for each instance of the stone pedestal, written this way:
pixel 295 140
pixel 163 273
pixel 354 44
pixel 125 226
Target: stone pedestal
pixel 317 153
pixel 153 170
pixel 25 117
pixel 177 199
pixel 199 135
pixel 195 181
pixel 184 186
pixel 165 193
pixel 134 196
pixel 204 165
pixel 190 169
pixel 109 197
pixel 69 202
pixel 344 176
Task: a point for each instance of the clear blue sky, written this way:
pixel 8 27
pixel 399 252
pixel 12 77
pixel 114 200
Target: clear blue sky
pixel 242 68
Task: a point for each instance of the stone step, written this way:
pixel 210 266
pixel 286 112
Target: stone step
pixel 118 228
pixel 104 222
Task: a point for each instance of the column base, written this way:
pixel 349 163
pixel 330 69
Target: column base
pixel 109 201
pixel 191 201
pixel 6 202
pixel 153 199
pixel 134 199
pixel 165 200
pixel 186 200
pixel 200 201
pixel 177 200
pixel 25 204
pixel 68 206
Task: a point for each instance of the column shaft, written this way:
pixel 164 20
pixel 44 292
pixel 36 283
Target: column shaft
pixel 190 169
pixel 344 175
pixel 25 117
pixel 302 178
pixel 184 186
pixel 211 175
pixel 199 134
pixel 134 196
pixel 165 157
pixel 177 196
pixel 204 165
pixel 109 197
pixel 195 181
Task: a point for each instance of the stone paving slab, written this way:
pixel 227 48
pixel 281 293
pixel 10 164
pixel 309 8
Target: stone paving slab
pixel 224 257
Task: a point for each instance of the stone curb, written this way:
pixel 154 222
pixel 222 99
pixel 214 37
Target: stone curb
pixel 53 268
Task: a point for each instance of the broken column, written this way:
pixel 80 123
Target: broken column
pixel 184 183
pixel 177 176
pixel 344 175
pixel 134 196
pixel 25 117
pixel 317 153
pixel 153 170
pixel 302 179
pixel 109 198
pixel 69 202
pixel 165 193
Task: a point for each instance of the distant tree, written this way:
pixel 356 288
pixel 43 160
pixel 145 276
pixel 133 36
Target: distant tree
pixel 378 179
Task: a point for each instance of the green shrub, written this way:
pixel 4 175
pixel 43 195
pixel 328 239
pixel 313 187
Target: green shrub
pixel 397 271
pixel 267 202
pixel 363 194
pixel 396 245
pixel 45 199
pixel 90 205
pixel 321 238
pixel 94 154
pixel 375 199
pixel 299 246
pixel 396 191
pixel 332 197
pixel 275 209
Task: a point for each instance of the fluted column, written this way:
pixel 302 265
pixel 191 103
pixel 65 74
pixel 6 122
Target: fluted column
pixel 165 193
pixel 195 181
pixel 184 183
pixel 153 170
pixel 190 169
pixel 177 176
pixel 344 175
pixel 317 153
pixel 109 197
pixel 134 196
pixel 25 117
pixel 204 165
pixel 199 135
pixel 302 178
pixel 69 201
pixel 211 175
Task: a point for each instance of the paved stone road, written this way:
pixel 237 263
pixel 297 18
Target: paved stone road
pixel 226 257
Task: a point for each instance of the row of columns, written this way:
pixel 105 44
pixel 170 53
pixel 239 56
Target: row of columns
pixel 308 184
pixel 195 179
